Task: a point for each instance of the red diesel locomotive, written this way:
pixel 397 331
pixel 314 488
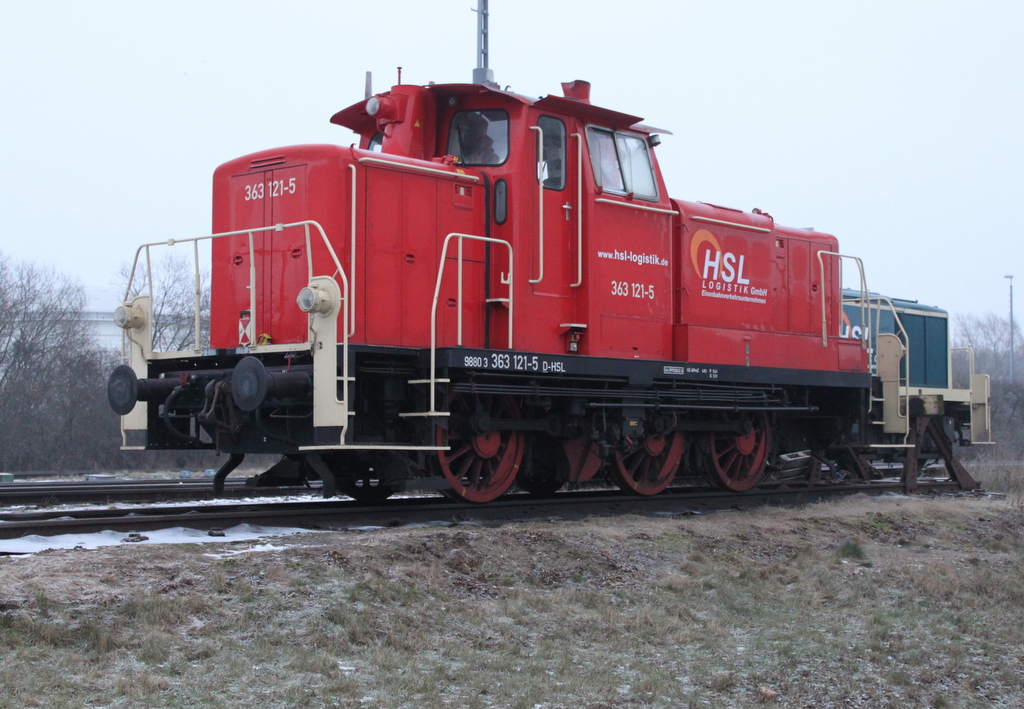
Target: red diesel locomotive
pixel 493 289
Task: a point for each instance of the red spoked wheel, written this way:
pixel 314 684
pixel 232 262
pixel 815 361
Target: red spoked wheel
pixel 651 465
pixel 482 463
pixel 584 456
pixel 736 461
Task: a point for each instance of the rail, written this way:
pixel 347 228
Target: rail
pixel 869 302
pixel 144 349
pixel 734 225
pixel 642 207
pixel 410 167
pixel 978 388
pixel 970 366
pixel 540 200
pixel 146 250
pixel 863 294
pixel 433 381
pixel 579 211
pixel 903 380
pixel 894 420
pixel 352 257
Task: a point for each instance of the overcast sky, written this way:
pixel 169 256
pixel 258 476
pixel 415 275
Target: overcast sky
pixel 896 126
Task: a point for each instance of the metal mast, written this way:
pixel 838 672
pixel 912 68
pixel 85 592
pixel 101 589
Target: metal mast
pixel 482 74
pixel 1011 327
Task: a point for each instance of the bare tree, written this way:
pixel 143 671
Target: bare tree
pixel 52 379
pixel 174 297
pixel 989 335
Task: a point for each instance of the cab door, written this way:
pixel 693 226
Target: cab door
pixel 555 267
pixel 629 226
pixel 554 213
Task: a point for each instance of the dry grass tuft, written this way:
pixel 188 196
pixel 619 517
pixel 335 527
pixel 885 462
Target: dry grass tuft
pixel 1000 477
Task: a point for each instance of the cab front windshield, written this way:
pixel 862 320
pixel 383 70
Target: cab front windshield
pixel 479 137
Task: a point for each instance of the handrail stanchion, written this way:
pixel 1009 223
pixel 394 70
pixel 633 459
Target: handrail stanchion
pixel 433 381
pixel 252 290
pixel 540 199
pixel 309 253
pixel 198 303
pixel 149 272
pixel 347 315
pixel 458 296
pixel 352 252
pixel 579 211
pixel 903 382
pixel 863 291
pixel 144 249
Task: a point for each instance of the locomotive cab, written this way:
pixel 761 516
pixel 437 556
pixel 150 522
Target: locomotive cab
pixel 559 173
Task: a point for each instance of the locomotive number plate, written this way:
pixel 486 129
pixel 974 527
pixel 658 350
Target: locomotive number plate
pixel 515 363
pixel 275 188
pixel 636 290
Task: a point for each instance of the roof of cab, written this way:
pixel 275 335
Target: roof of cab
pixel 355 117
pixel 901 304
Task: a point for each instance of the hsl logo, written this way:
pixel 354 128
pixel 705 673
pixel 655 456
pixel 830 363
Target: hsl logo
pixel 721 271
pixel 720 266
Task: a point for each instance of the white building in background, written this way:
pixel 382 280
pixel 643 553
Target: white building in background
pixel 101 325
pixel 99 316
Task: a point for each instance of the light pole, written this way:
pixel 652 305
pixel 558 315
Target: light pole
pixel 1011 326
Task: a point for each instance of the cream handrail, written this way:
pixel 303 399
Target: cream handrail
pixel 145 248
pixel 344 290
pixel 632 205
pixel 903 385
pixel 197 323
pixel 970 365
pixel 863 293
pixel 579 211
pixel 352 249
pixel 396 165
pixel 433 380
pixel 540 198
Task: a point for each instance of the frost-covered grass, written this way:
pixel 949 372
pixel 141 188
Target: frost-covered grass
pixel 1000 477
pixel 868 602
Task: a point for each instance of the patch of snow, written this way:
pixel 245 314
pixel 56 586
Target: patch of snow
pixel 177 503
pixel 34 543
pixel 247 550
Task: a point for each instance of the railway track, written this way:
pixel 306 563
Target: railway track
pixel 150 491
pixel 348 514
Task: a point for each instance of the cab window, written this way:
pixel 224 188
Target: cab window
pixel 554 152
pixel 604 159
pixel 376 143
pixel 479 137
pixel 621 163
pixel 636 165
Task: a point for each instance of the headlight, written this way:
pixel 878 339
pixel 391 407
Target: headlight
pixel 315 300
pixel 129 317
pixel 372 105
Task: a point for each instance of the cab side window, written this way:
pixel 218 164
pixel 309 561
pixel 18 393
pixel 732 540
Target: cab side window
pixel 479 137
pixel 637 173
pixel 604 159
pixel 554 152
pixel 621 163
